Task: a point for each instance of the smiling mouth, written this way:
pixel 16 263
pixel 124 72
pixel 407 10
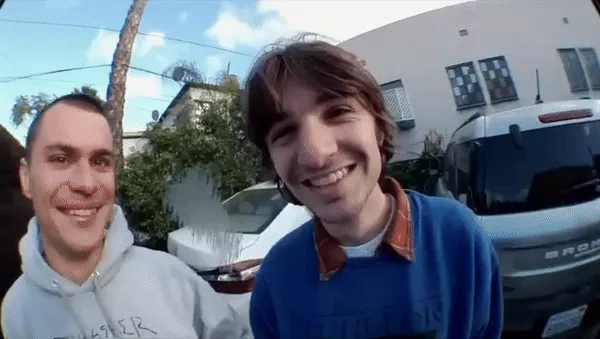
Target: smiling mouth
pixel 80 213
pixel 329 179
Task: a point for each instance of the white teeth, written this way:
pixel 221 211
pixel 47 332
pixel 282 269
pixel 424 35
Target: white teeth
pixel 330 178
pixel 82 213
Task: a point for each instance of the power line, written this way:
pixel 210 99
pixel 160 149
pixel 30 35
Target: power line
pixel 96 86
pixel 10 79
pixel 119 31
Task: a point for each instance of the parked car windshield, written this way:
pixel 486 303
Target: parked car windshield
pixel 555 167
pixel 251 211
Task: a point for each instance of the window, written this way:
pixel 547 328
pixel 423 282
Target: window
pixel 398 104
pixel 465 86
pixel 574 69
pixel 498 79
pixel 463 168
pixel 449 173
pixel 463 32
pixel 592 67
pixel 546 172
pixel 252 211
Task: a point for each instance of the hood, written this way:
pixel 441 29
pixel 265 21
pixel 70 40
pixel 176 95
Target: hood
pixel 118 240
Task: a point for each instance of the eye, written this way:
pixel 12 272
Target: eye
pixel 59 159
pixel 338 111
pixel 103 162
pixel 281 132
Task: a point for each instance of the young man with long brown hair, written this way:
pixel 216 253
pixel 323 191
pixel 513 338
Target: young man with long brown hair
pixel 376 261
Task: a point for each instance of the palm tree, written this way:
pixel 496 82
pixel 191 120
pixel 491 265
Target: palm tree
pixel 28 106
pixel 118 76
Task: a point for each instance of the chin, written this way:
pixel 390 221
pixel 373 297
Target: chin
pixel 83 248
pixel 337 212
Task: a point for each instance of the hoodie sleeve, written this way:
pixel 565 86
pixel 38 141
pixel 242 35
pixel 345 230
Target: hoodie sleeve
pixel 214 318
pixel 12 325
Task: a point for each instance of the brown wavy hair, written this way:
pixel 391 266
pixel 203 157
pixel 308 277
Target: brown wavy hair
pixel 329 68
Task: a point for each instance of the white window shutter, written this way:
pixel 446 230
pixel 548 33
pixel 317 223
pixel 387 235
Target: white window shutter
pixel 397 103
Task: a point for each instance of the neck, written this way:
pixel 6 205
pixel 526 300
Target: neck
pixel 77 267
pixel 367 224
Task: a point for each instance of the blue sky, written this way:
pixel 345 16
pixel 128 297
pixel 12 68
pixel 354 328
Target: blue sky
pixel 242 26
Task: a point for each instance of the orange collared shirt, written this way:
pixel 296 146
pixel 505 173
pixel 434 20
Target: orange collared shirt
pixel 399 235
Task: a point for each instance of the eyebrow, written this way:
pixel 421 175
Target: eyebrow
pixel 71 150
pixel 322 98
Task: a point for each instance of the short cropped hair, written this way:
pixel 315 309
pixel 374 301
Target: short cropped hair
pixel 83 98
pixel 329 68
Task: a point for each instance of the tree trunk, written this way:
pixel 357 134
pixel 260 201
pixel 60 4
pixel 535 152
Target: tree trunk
pixel 118 77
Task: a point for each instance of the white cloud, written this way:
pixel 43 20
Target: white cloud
pixel 141 85
pixel 331 18
pixel 103 46
pixel 151 41
pixel 230 31
pixel 183 16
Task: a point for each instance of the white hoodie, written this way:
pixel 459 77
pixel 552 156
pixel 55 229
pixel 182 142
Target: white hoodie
pixel 134 293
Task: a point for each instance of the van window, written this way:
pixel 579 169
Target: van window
pixel 461 159
pixel 252 211
pixel 557 166
pixel 450 171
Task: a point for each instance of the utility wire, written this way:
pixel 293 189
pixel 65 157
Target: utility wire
pixel 165 98
pixel 10 79
pixel 35 22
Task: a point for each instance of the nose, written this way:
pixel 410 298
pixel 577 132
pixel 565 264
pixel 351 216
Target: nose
pixel 82 179
pixel 316 144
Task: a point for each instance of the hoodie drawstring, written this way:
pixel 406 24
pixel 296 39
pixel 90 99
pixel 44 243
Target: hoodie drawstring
pixel 112 324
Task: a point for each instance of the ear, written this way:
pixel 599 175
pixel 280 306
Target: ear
pixel 380 136
pixel 24 177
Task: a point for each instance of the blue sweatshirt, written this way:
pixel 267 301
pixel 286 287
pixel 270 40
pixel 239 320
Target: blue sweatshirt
pixel 452 289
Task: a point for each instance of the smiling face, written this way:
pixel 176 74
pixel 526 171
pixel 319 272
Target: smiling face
pixel 70 178
pixel 326 149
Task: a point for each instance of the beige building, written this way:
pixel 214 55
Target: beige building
pixel 189 103
pixel 132 142
pixel 440 67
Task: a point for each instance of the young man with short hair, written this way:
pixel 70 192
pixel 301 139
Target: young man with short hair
pixel 82 276
pixel 377 261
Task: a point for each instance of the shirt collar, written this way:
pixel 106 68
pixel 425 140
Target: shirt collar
pixel 399 235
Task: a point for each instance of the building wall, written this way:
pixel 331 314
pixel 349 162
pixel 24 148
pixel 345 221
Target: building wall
pixel 132 144
pixel 417 50
pixel 190 107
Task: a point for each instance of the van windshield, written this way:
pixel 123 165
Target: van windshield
pixel 556 166
pixel 251 211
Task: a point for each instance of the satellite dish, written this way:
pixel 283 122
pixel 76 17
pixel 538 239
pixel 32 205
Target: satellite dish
pixel 154 115
pixel 178 73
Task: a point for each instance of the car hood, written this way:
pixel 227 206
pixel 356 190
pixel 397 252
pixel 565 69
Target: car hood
pixel 205 252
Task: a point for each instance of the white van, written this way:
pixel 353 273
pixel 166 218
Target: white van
pixel 532 177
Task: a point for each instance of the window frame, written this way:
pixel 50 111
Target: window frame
pixel 403 116
pixel 509 79
pixel 593 82
pixel 479 88
pixel 574 89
